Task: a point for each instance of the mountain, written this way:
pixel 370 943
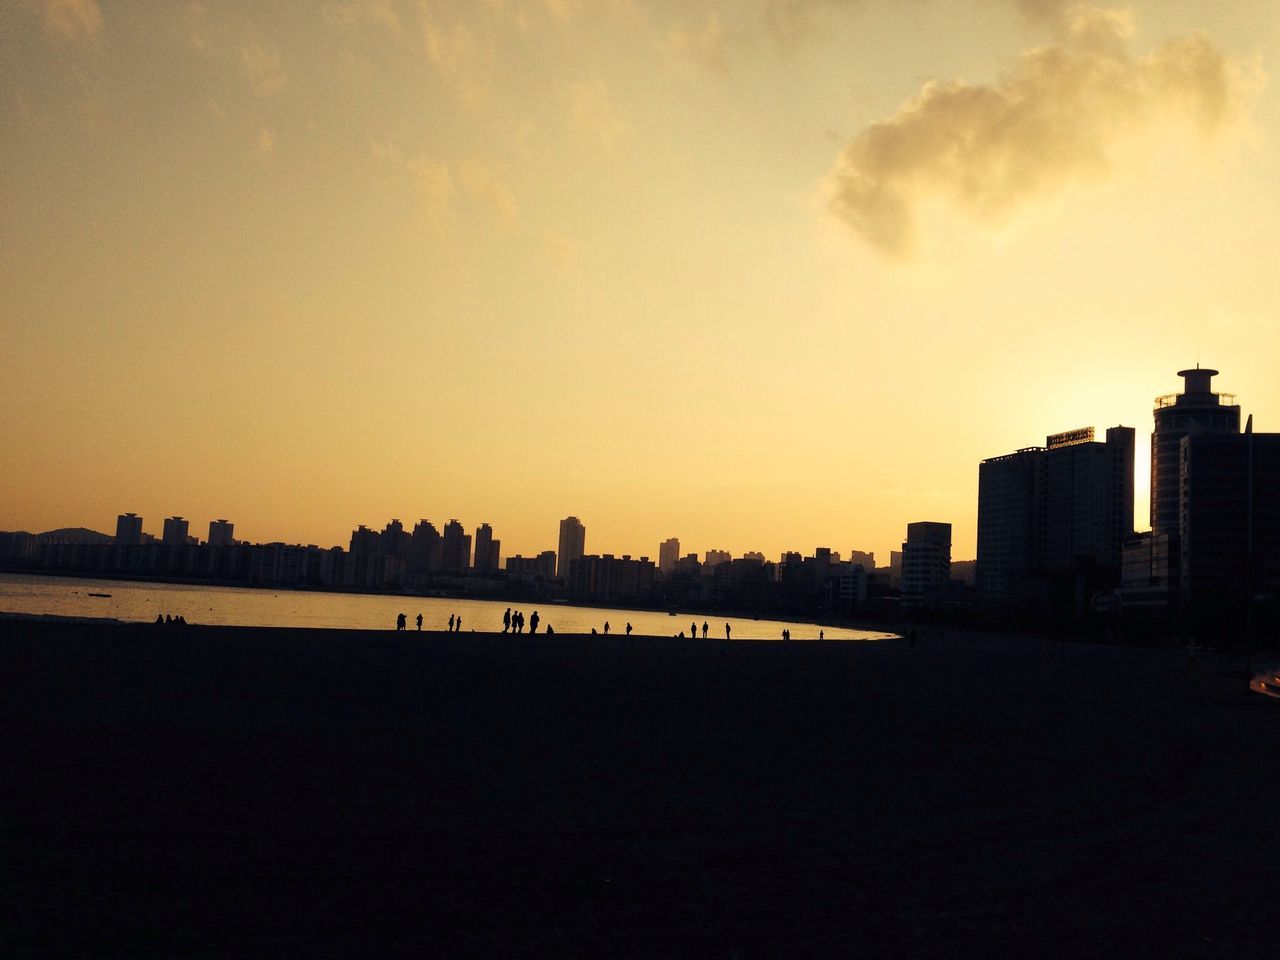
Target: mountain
pixel 74 535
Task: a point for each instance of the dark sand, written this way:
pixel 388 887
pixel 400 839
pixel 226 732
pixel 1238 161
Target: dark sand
pixel 273 793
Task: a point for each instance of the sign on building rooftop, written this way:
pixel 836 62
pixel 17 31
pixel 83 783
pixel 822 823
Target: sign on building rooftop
pixel 1069 438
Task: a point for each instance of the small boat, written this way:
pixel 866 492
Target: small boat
pixel 100 595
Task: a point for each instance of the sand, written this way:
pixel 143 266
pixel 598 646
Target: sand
pixel 211 792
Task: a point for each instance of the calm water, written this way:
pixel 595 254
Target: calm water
pixel 239 606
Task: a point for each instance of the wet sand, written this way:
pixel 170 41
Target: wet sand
pixel 211 792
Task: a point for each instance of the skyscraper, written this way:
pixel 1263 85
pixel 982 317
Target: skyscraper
pixel 455 548
pixel 1196 410
pixel 926 562
pixel 128 529
pixel 220 532
pixel 175 532
pixel 487 550
pixel 668 554
pixel 573 541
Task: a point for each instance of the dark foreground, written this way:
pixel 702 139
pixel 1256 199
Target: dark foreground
pixel 276 793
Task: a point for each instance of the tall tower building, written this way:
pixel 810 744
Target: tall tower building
pixel 926 561
pixel 455 548
pixel 220 533
pixel 1196 410
pixel 487 550
pixel 128 529
pixel 573 542
pixel 175 532
pixel 668 554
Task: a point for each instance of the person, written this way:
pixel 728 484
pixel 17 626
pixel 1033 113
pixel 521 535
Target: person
pixel 459 624
pixel 704 629
pixel 628 629
pixel 726 631
pixel 451 623
pixel 822 634
pixel 506 620
pixel 518 618
pixel 160 618
pixel 693 631
pixel 606 628
pixel 533 622
pixel 400 622
pixel 593 631
pixel 551 631
pixel 419 623
pixel 168 618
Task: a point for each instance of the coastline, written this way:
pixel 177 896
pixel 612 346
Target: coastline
pixel 256 792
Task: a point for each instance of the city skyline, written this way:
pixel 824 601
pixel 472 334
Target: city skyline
pixel 697 270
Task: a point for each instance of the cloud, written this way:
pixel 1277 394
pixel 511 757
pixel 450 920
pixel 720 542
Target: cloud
pixel 378 12
pixel 430 179
pixel 792 23
pixel 79 21
pixel 1055 117
pixel 483 184
pixel 707 42
pixel 593 116
pixel 266 141
pixel 262 69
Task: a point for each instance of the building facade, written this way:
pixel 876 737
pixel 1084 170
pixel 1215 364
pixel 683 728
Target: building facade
pixel 926 562
pixel 573 542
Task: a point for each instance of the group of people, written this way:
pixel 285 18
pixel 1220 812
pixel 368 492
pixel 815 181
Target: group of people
pixel 455 623
pixel 513 622
pixel 180 620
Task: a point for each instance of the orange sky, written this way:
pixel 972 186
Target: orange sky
pixel 761 275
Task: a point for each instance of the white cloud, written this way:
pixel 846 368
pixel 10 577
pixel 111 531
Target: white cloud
pixel 1055 117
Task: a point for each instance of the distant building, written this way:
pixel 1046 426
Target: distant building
pixel 175 532
pixel 717 557
pixel 609 578
pixel 867 561
pixel 394 541
pixel 755 555
pixel 573 541
pixel 425 550
pixel 668 554
pixel 220 533
pixel 128 530
pixel 926 562
pixel 487 550
pixel 895 568
pixel 455 548
pixel 364 542
pixel 542 566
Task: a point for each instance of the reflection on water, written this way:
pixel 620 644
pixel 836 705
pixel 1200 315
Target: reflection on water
pixel 142 601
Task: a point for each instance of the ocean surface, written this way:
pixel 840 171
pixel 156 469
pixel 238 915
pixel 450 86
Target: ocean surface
pixel 243 606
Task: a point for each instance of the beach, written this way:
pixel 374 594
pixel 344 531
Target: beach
pixel 220 791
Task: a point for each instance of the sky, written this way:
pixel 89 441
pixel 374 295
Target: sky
pixel 761 275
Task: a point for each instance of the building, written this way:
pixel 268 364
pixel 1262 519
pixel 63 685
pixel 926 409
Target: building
pixel 543 566
pixel 610 578
pixel 487 550
pixel 175 532
pixel 1064 510
pixel 717 557
pixel 128 530
pixel 754 555
pixel 573 542
pixel 425 551
pixel 455 548
pixel 668 554
pixel 220 533
pixel 926 562
pixel 867 561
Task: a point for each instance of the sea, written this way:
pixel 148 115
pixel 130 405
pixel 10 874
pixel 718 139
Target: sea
pixel 26 595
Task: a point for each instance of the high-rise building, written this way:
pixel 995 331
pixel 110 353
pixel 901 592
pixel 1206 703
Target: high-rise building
pixel 611 578
pixel 487 550
pixel 220 532
pixel 1062 508
pixel 867 561
pixel 1197 410
pixel 424 548
pixel 455 548
pixel 393 541
pixel 717 557
pixel 573 542
pixel 926 562
pixel 175 532
pixel 668 554
pixel 128 529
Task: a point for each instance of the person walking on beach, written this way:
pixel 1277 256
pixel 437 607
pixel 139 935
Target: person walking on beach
pixel 822 634
pixel 506 620
pixel 533 622
pixel 419 623
pixel 519 621
pixel 459 630
pixel 606 628
pixel 704 630
pixel 693 631
pixel 726 631
pixel 628 629
pixel 400 622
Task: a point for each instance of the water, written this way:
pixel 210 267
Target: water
pixel 240 606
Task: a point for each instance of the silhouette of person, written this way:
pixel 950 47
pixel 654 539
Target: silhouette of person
pixel 160 618
pixel 681 634
pixel 628 629
pixel 400 622
pixel 419 623
pixel 459 625
pixel 593 631
pixel 520 622
pixel 704 630
pixel 606 628
pixel 168 619
pixel 551 631
pixel 822 634
pixel 693 631
pixel 506 620
pixel 451 623
pixel 726 631
pixel 533 622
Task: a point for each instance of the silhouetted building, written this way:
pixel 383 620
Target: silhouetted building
pixel 487 550
pixel 926 562
pixel 220 533
pixel 425 551
pixel 755 555
pixel 717 557
pixel 542 566
pixel 1064 508
pixel 455 548
pixel 610 578
pixel 668 554
pixel 128 530
pixel 867 561
pixel 394 541
pixel 175 532
pixel 364 541
pixel 573 542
